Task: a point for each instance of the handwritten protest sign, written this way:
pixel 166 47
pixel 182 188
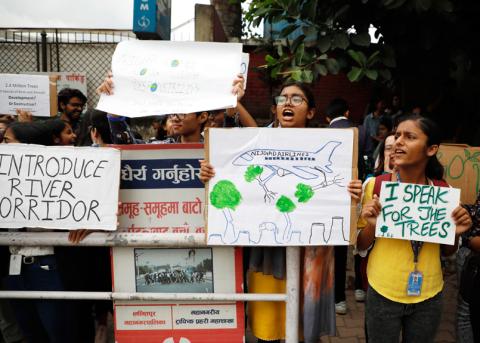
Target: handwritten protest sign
pixel 462 169
pixel 162 77
pixel 272 189
pixel 417 212
pixel 25 92
pixel 58 187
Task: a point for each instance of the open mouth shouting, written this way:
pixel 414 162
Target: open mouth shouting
pixel 287 114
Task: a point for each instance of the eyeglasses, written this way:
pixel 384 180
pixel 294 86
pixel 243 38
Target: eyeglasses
pixel 179 116
pixel 76 104
pixel 295 100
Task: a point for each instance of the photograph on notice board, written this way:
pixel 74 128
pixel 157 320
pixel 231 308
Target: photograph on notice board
pixel 174 270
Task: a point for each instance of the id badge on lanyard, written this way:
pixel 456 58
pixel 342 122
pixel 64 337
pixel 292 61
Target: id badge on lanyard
pixel 415 278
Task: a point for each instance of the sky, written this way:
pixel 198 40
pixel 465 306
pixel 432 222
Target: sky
pixel 82 14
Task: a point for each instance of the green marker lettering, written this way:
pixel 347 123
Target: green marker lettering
pixel 444 233
pixel 391 186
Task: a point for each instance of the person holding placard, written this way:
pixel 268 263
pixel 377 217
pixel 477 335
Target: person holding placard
pixel 295 106
pixel 39 268
pixel 405 277
pixel 468 264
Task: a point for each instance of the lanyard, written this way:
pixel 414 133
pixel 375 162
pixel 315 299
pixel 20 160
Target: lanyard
pixel 416 245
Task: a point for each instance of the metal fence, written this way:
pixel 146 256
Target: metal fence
pixel 291 297
pixel 89 52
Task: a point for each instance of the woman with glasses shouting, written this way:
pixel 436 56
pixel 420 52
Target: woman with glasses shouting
pixel 295 107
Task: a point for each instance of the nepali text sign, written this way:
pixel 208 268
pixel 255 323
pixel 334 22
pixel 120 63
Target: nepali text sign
pixel 58 187
pixel 417 212
pixel 160 191
pixel 25 92
pixel 162 77
pixel 179 270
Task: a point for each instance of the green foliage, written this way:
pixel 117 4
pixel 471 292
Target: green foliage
pixel 304 193
pixel 252 172
pixel 225 195
pixel 328 45
pixel 285 205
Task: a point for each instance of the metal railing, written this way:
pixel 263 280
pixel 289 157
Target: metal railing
pixel 291 297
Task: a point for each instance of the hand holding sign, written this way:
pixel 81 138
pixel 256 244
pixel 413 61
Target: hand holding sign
pixel 371 210
pixel 160 77
pixel 419 212
pixel 462 220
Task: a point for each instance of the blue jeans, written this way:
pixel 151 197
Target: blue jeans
pixel 42 320
pixel 386 319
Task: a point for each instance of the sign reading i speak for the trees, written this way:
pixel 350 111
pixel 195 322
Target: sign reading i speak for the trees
pixel 417 212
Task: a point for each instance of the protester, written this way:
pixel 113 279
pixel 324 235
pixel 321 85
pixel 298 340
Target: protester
pixel 31 133
pixel 295 107
pixel 40 268
pixel 61 131
pixel 70 104
pixel 162 125
pixel 389 310
pixel 468 264
pixel 371 123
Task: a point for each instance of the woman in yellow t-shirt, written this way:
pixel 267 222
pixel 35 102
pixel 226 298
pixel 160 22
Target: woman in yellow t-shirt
pixel 391 306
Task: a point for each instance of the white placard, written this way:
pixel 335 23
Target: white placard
pixel 58 187
pixel 280 187
pixel 417 212
pixel 244 67
pixel 162 77
pixel 26 92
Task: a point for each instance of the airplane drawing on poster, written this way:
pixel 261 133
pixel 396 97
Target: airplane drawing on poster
pixel 287 188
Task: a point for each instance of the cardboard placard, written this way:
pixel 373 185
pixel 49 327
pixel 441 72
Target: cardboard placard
pixel 462 169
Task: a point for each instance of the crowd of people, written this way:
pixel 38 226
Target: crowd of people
pixel 394 145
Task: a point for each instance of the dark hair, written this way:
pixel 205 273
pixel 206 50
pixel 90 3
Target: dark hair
pixel 387 122
pixel 31 133
pixel 99 121
pixel 161 133
pixel 66 94
pixel 305 89
pixel 336 108
pixel 434 169
pixel 55 126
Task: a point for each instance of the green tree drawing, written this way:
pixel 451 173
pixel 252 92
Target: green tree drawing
pixel 384 229
pixel 252 173
pixel 226 197
pixel 304 193
pixel 285 205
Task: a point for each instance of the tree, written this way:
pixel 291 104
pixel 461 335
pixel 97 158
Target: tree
pixel 423 46
pixel 304 193
pixel 226 197
pixel 285 205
